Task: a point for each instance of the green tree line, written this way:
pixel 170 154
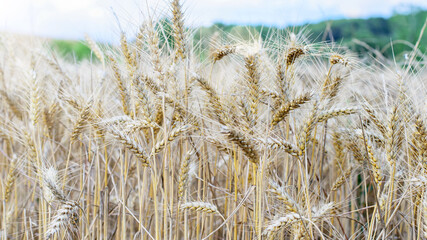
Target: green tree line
pixel 395 35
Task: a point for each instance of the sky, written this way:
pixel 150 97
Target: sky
pixel 103 20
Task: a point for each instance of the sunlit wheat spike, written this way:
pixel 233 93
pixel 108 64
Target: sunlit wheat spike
pixel 332 87
pixel 252 78
pixel 183 173
pixel 66 218
pixel 83 118
pixel 200 207
pixel 154 87
pixel 95 49
pixel 281 222
pixel 136 125
pixel 393 136
pixel 271 94
pixel 51 189
pixel 338 59
pixel 124 95
pixel 35 98
pixel 374 118
pixel 321 212
pixel 177 131
pixel 31 150
pixel 339 151
pixel 323 116
pixel 49 117
pixel 130 60
pixel 419 141
pixel 220 53
pixel 284 109
pixel 241 141
pixel 376 169
pixel 178 30
pixel 277 143
pixel 283 196
pixel 341 180
pixel 130 144
pixel 153 43
pixel 10 179
pixel 293 54
pixel 354 147
pixel 214 100
pixel 305 132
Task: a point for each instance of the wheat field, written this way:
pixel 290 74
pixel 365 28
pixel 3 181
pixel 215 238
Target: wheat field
pixel 277 139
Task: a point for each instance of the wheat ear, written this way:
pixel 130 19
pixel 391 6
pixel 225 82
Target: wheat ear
pixel 220 53
pixel 280 194
pixel 276 143
pixel 177 131
pixel 200 207
pixel 122 88
pixel 130 144
pixel 248 149
pixel 95 49
pixel 66 218
pixel 281 222
pixel 83 117
pixel 253 81
pixel 178 30
pixel 183 174
pixel 341 180
pixel 10 180
pixel 323 116
pixel 284 110
pixel 293 54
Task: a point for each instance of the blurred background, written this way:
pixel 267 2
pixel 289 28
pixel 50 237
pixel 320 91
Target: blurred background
pixel 378 23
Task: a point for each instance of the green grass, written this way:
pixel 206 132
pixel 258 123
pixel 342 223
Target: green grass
pixel 71 50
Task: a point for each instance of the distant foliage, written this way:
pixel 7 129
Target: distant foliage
pixel 73 50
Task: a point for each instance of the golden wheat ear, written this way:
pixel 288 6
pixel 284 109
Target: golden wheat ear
pixel 178 30
pixel 66 219
pixel 222 52
pixel 247 147
pixel 132 145
pixel 279 223
pixel 184 174
pixel 95 49
pixel 200 207
pixel 284 110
